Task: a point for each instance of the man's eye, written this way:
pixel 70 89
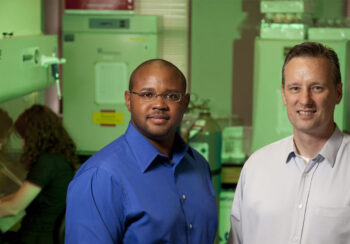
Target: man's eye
pixel 317 88
pixel 173 96
pixel 147 94
pixel 294 88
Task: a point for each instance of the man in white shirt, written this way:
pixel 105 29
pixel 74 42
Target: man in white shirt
pixel 297 190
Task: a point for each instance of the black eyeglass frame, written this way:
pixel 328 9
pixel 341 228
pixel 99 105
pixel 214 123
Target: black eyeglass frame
pixel 162 95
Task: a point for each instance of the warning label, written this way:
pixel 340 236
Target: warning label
pixel 108 118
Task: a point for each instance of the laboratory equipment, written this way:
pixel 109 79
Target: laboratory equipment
pixel 226 199
pixel 53 62
pixel 100 4
pixel 205 136
pixel 102 48
pixel 21 68
pixel 233 145
pixel 234 140
pixel 286 19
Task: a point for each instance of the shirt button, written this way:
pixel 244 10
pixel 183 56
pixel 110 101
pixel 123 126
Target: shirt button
pixel 191 226
pixel 300 205
pixel 183 196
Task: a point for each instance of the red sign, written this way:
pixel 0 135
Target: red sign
pixel 100 4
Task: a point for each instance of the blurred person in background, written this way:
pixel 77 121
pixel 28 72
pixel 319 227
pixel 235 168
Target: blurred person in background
pixel 5 127
pixel 12 173
pixel 48 154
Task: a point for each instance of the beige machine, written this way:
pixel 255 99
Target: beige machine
pixel 101 48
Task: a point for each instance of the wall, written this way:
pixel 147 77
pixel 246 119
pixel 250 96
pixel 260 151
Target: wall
pixel 330 9
pixel 215 25
pixel 243 61
pixel 173 19
pixel 20 17
pixel 52 18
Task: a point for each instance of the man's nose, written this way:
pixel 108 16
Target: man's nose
pixel 305 97
pixel 159 101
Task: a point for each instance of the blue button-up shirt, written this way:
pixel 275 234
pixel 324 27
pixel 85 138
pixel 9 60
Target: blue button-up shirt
pixel 131 193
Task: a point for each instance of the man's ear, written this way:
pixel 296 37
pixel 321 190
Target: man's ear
pixel 187 99
pixel 127 97
pixel 283 95
pixel 339 91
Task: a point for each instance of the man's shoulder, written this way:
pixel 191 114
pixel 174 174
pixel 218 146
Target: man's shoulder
pixel 346 137
pixel 269 158
pixel 195 155
pixel 277 148
pixel 280 144
pixel 346 141
pixel 108 157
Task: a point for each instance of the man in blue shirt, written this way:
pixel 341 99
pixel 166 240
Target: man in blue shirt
pixel 148 186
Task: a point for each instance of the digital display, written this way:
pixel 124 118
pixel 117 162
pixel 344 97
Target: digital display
pixel 109 23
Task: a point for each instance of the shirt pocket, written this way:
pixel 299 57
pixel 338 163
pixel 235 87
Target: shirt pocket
pixel 329 225
pixel 343 212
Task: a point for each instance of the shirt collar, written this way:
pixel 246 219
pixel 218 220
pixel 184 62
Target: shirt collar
pixel 146 153
pixel 329 150
pixel 290 149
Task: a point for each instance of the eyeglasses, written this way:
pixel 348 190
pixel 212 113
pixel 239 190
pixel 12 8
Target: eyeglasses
pixel 147 96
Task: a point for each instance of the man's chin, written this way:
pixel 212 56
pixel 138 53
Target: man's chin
pixel 159 134
pixel 156 133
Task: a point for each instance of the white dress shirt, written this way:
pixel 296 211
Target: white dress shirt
pixel 281 200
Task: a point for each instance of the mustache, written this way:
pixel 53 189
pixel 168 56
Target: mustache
pixel 158 115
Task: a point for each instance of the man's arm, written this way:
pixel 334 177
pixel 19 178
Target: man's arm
pixel 94 212
pixel 235 236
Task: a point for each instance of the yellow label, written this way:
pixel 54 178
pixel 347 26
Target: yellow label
pixel 108 118
pixel 138 38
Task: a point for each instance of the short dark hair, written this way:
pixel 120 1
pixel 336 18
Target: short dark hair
pixel 166 63
pixel 314 49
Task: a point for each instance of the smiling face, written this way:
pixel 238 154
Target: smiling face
pixel 156 119
pixel 310 95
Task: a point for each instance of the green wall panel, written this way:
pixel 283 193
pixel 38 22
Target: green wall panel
pixel 22 17
pixel 215 26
